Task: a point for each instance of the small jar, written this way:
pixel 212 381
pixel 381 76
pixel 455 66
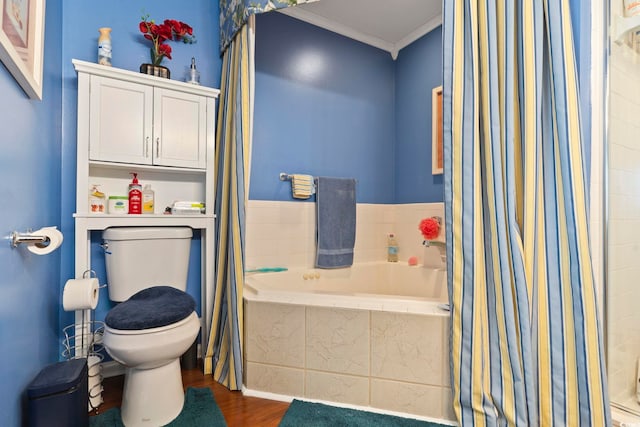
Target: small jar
pixel 118 205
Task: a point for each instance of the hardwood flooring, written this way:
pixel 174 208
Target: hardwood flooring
pixel 238 410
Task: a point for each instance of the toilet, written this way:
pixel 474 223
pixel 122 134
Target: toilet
pixel 155 321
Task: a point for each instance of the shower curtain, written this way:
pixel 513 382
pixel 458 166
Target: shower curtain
pixel 526 347
pixel 223 357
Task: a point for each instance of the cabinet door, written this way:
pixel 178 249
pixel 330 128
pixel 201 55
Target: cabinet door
pixel 179 129
pixel 120 121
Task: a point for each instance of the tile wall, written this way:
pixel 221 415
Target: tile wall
pixel 282 234
pixel 623 240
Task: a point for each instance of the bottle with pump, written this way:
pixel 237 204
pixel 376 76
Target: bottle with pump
pixel 392 248
pixel 148 200
pixel 135 195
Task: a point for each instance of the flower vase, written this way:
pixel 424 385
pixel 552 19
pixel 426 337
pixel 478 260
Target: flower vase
pixel 155 70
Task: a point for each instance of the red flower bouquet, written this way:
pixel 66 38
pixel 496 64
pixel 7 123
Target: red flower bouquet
pixel 430 228
pixel 159 34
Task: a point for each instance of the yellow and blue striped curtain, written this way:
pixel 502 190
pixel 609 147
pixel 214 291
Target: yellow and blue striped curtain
pixel 526 347
pixel 223 357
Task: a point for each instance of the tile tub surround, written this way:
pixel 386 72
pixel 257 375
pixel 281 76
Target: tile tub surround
pixel 384 360
pixel 283 233
pixel 371 336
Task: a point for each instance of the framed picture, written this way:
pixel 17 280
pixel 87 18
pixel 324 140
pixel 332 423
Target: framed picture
pixel 437 155
pixel 22 42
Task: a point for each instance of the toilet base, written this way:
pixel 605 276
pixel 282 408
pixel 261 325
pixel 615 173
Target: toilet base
pixel 152 397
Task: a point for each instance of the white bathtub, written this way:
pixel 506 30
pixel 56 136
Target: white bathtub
pixel 383 286
pixel 371 336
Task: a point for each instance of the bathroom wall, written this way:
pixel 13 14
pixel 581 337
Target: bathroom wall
pixel 623 292
pixel 418 71
pixel 80 34
pixel 324 105
pixel 283 234
pixel 30 174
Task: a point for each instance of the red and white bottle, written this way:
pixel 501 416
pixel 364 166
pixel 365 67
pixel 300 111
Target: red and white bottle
pixel 135 195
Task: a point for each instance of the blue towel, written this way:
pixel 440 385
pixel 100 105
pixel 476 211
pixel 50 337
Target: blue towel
pixel 336 222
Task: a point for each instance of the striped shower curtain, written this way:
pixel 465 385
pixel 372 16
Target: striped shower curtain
pixel 526 346
pixel 223 357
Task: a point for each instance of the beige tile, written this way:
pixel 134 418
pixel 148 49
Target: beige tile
pixel 407 347
pixel 408 398
pixel 337 388
pixel 447 404
pixel 274 334
pixel 337 340
pixel 274 379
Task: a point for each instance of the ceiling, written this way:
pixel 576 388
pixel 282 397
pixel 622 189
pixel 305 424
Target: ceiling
pixel 386 24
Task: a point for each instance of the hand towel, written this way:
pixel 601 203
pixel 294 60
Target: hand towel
pixel 336 222
pixel 301 186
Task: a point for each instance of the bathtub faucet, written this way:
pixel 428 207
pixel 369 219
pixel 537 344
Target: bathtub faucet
pixel 441 246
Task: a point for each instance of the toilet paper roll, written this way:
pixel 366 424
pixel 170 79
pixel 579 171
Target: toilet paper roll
pixel 80 294
pixel 55 240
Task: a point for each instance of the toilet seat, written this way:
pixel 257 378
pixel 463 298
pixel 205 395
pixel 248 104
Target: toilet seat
pixel 150 331
pixel 150 309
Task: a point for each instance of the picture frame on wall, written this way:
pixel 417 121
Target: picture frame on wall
pixel 437 153
pixel 22 42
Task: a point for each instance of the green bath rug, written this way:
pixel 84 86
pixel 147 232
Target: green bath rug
pixel 310 414
pixel 200 409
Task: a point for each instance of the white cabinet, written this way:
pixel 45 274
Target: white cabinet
pixel 160 128
pixel 141 124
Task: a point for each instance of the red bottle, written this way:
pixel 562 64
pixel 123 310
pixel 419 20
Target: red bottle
pixel 135 195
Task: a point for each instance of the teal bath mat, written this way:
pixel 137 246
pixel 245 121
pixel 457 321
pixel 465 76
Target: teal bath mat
pixel 200 409
pixel 309 414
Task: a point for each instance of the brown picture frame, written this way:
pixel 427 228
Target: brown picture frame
pixel 437 153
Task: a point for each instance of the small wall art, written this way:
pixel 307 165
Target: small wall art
pixel 22 42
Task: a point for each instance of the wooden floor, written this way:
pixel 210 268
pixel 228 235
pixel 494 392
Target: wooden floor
pixel 238 410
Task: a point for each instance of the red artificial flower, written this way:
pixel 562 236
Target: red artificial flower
pixel 430 228
pixel 170 29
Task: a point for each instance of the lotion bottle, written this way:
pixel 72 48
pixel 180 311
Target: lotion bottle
pixel 135 195
pixel 148 200
pixel 392 248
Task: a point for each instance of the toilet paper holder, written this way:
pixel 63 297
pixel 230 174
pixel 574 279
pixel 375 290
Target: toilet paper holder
pixel 28 238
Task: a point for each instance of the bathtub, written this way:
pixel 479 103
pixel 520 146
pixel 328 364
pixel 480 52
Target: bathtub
pixel 373 336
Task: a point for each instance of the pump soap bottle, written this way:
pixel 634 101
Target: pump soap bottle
pixel 135 195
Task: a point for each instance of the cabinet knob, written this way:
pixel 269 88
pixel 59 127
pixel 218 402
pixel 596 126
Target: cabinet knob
pixel 146 147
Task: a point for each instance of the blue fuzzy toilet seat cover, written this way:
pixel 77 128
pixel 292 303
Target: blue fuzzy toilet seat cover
pixel 151 308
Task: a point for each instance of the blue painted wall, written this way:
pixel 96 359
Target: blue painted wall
pixel 38 168
pixel 324 105
pixel 418 71
pixel 30 175
pixel 328 105
pixel 81 21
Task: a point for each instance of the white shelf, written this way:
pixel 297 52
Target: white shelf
pixel 622 25
pixel 129 167
pixel 118 73
pixel 102 221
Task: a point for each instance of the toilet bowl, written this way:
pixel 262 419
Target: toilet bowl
pixel 153 325
pixel 143 335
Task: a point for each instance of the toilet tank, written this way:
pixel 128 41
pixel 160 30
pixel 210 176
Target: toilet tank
pixel 140 257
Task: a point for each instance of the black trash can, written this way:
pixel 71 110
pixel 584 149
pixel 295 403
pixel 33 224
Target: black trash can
pixel 58 396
